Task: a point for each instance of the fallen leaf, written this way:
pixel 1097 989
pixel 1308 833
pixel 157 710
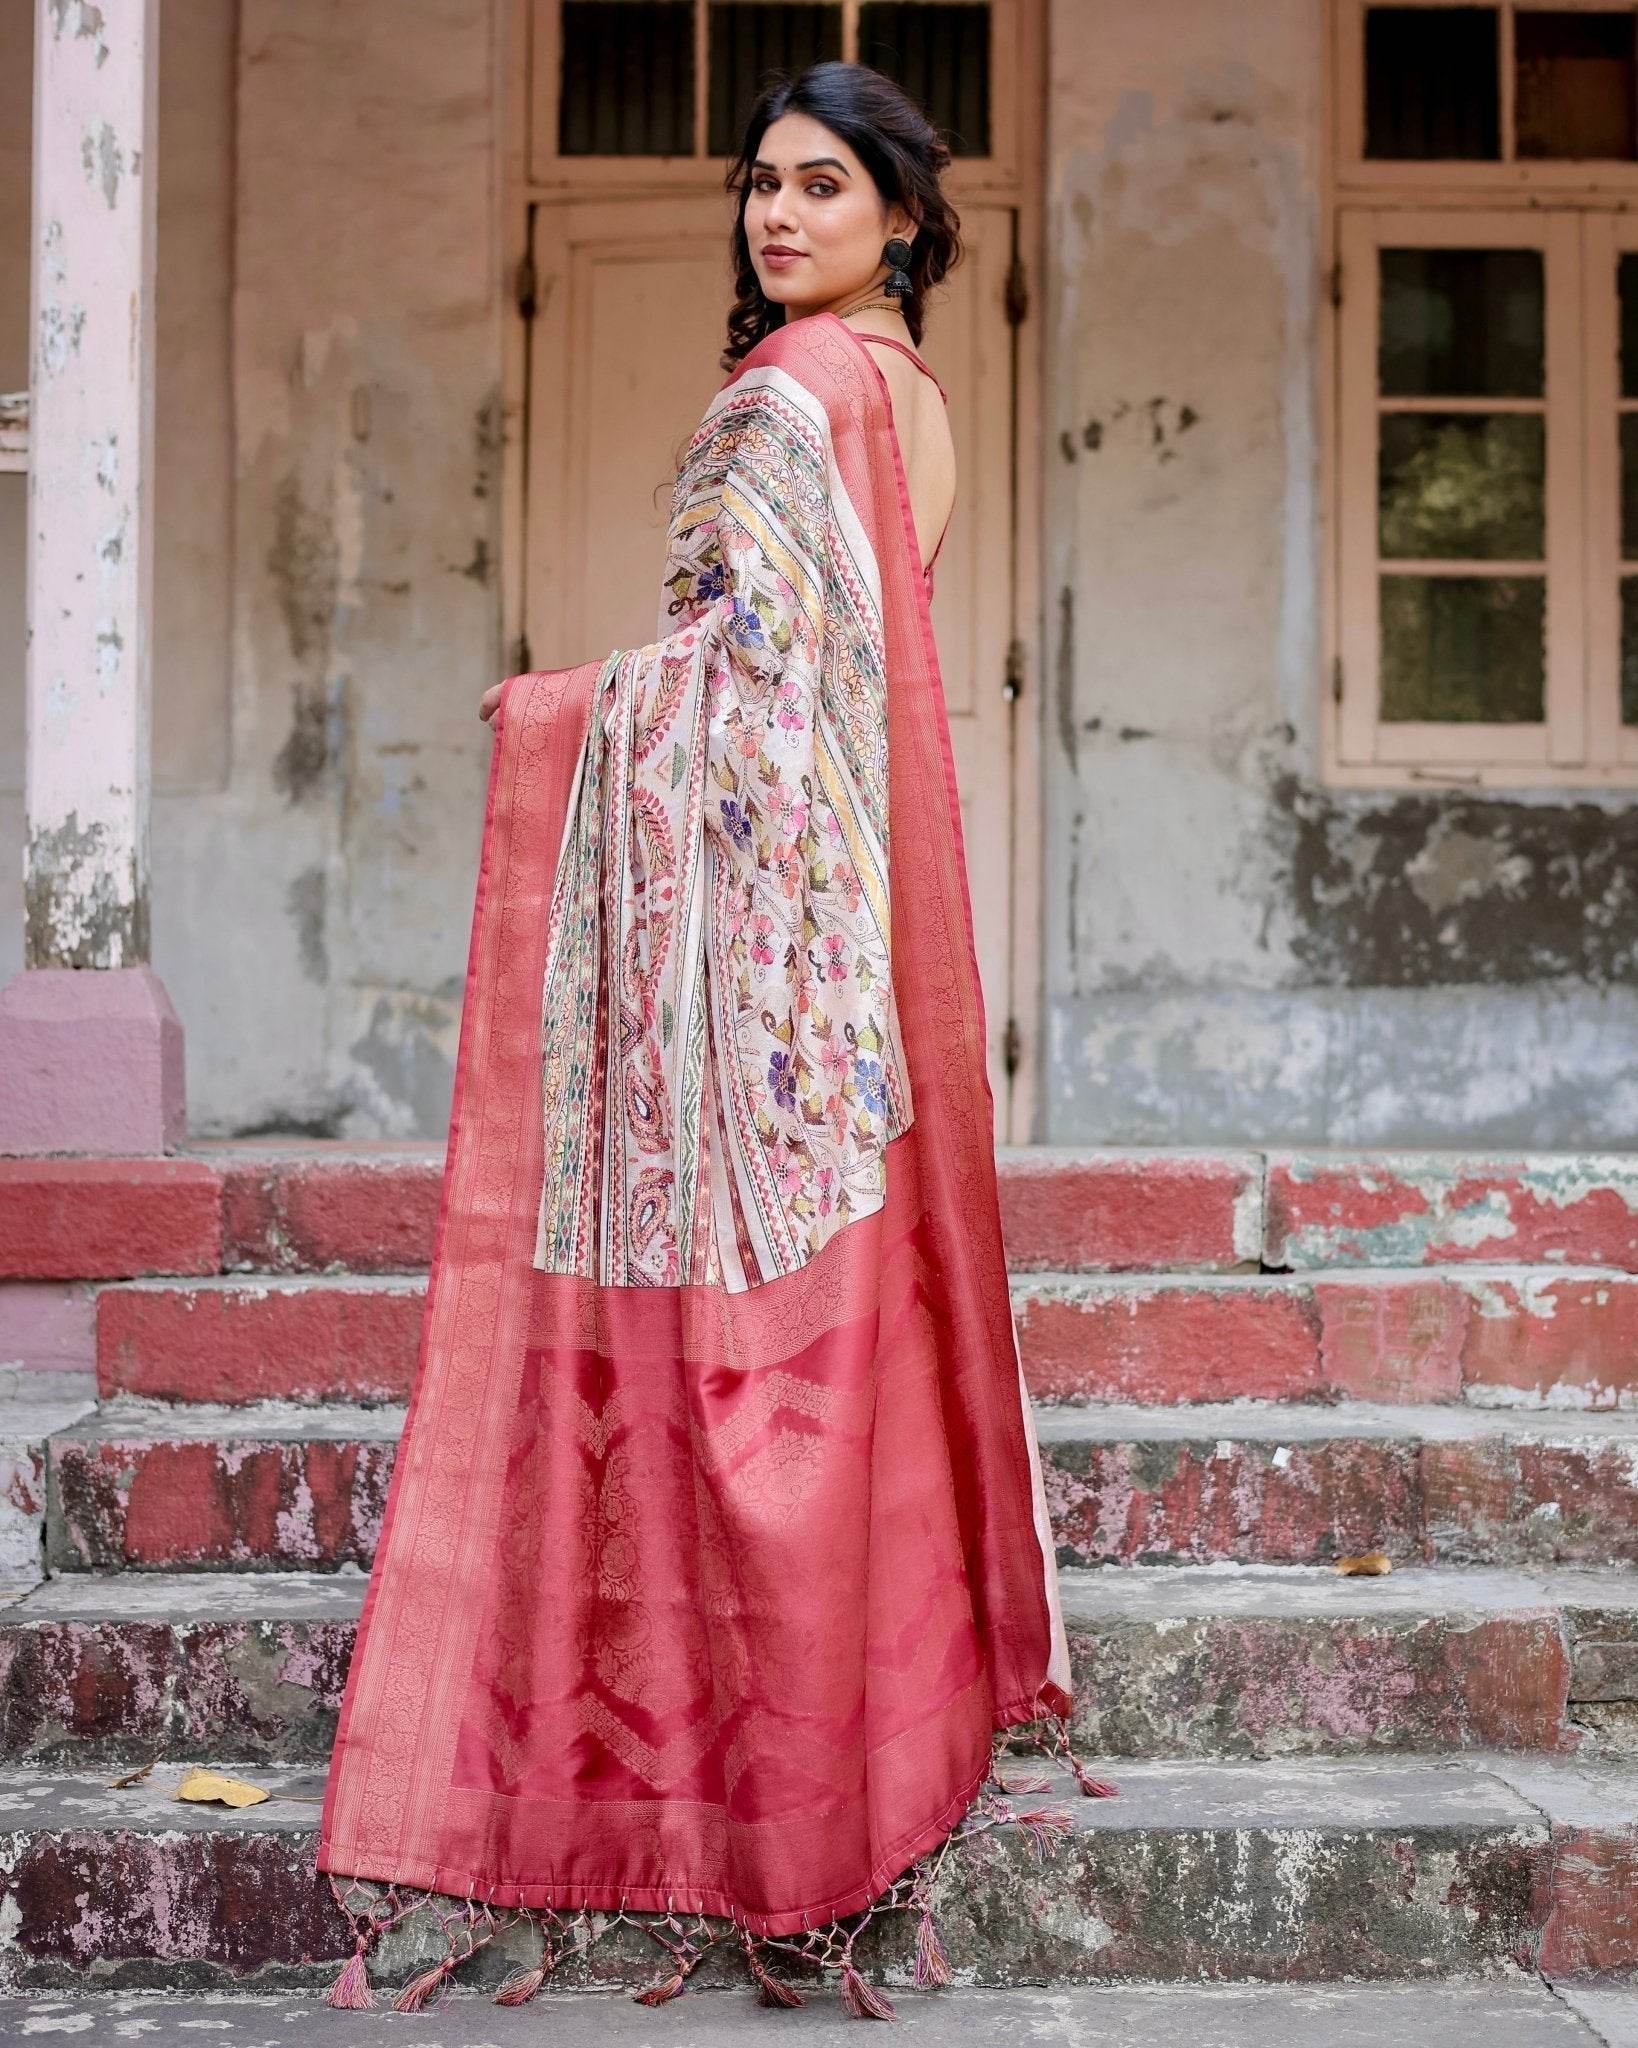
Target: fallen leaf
pixel 133 1777
pixel 201 1784
pixel 1370 1564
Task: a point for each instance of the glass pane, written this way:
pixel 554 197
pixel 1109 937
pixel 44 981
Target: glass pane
pixel 1627 285
pixel 1575 83
pixel 1463 486
pixel 1629 487
pixel 939 51
pixel 750 39
pixel 1462 323
pixel 1432 82
pixel 1629 650
pixel 1464 648
pixel 628 78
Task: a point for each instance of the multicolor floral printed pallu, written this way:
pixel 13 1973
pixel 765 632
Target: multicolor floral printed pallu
pixel 716 1553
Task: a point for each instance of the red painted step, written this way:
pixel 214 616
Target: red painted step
pixel 294 1338
pixel 153 1488
pixel 1410 1209
pixel 1503 1337
pixel 1194 1662
pixel 108 1219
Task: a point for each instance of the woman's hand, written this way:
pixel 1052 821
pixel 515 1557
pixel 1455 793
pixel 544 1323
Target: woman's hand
pixel 489 702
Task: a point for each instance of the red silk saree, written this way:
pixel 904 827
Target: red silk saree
pixel 716 1550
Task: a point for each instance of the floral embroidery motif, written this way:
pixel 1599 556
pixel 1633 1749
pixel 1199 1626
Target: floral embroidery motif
pixel 720 1059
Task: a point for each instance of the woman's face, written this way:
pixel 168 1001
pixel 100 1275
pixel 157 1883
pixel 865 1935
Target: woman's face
pixel 814 219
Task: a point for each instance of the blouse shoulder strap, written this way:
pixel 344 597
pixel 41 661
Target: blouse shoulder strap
pixel 887 341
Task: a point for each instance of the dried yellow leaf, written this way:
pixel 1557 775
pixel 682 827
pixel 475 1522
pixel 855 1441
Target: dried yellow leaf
pixel 1369 1564
pixel 201 1784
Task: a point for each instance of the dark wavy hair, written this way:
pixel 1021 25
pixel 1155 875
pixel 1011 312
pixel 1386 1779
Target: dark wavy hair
pixel 903 152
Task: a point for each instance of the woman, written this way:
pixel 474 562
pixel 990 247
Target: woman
pixel 716 1550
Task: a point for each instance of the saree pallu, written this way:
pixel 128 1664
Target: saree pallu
pixel 716 1550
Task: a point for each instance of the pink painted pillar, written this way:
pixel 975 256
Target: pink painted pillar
pixel 90 1047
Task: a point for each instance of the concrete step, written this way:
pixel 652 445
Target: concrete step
pixel 156 1486
pixel 1214 1661
pixel 1520 2012
pixel 1497 1336
pixel 1487 1336
pixel 1290 1871
pixel 299 1206
pixel 29 1417
pixel 1306 1483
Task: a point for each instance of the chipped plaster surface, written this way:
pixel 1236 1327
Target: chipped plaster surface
pixel 1231 949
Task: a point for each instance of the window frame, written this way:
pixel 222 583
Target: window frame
pixel 547 170
pixel 1574 212
pixel 1510 174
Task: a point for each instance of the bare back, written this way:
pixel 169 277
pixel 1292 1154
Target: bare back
pixel 921 420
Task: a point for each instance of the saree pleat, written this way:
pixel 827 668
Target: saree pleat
pixel 716 1550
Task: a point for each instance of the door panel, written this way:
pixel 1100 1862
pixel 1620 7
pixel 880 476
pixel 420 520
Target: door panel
pixel 633 294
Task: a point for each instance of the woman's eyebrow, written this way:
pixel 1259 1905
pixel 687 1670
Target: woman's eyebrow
pixel 813 163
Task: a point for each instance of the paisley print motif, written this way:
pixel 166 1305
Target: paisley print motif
pixel 733 801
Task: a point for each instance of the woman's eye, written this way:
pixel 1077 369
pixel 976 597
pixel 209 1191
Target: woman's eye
pixel 821 188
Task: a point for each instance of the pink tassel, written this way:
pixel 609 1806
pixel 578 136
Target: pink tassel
pixel 1014 1786
pixel 351 1990
pixel 770 1990
pixel 1041 1823
pixel 861 2000
pixel 419 1989
pixel 657 1994
pixel 1091 1788
pixel 932 1964
pixel 521 1986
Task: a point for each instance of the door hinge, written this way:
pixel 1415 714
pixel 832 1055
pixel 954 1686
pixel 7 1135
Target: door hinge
pixel 1336 284
pixel 520 655
pixel 1012 682
pixel 1336 679
pixel 528 286
pixel 1017 297
pixel 1012 1047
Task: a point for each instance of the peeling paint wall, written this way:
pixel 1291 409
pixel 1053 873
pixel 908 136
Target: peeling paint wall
pixel 1233 951
pixel 329 276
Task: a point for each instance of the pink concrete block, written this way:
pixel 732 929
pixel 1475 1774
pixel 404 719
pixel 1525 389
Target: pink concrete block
pixel 1412 1210
pixel 48 1326
pixel 1592 1926
pixel 108 1219
pixel 337 1340
pixel 371 1213
pixel 1168 1342
pixel 1120 1212
pixel 1558 1341
pixel 92 1062
pixel 170 1505
pixel 1392 1340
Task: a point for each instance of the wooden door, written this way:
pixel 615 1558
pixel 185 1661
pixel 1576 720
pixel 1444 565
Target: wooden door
pixel 623 360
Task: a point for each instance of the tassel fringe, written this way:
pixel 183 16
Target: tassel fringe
pixel 351 1990
pixel 862 2000
pixel 421 1987
pixel 932 1964
pixel 521 1986
pixel 469 1924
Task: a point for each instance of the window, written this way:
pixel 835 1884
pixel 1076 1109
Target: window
pixel 1486 472
pixel 676 78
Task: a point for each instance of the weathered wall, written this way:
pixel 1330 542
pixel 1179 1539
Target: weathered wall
pixel 328 501
pixel 1231 950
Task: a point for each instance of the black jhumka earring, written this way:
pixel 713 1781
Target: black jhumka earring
pixel 896 255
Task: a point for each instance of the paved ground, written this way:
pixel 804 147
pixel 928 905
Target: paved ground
pixel 1470 2015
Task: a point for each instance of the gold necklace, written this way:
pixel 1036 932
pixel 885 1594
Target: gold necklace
pixel 871 306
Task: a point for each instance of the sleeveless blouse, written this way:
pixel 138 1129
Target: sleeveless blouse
pixel 887 341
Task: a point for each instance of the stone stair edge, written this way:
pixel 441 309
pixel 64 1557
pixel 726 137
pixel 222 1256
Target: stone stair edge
pixel 1089 1592
pixel 1248 1207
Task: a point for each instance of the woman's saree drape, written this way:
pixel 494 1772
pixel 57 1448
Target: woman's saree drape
pixel 716 1550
